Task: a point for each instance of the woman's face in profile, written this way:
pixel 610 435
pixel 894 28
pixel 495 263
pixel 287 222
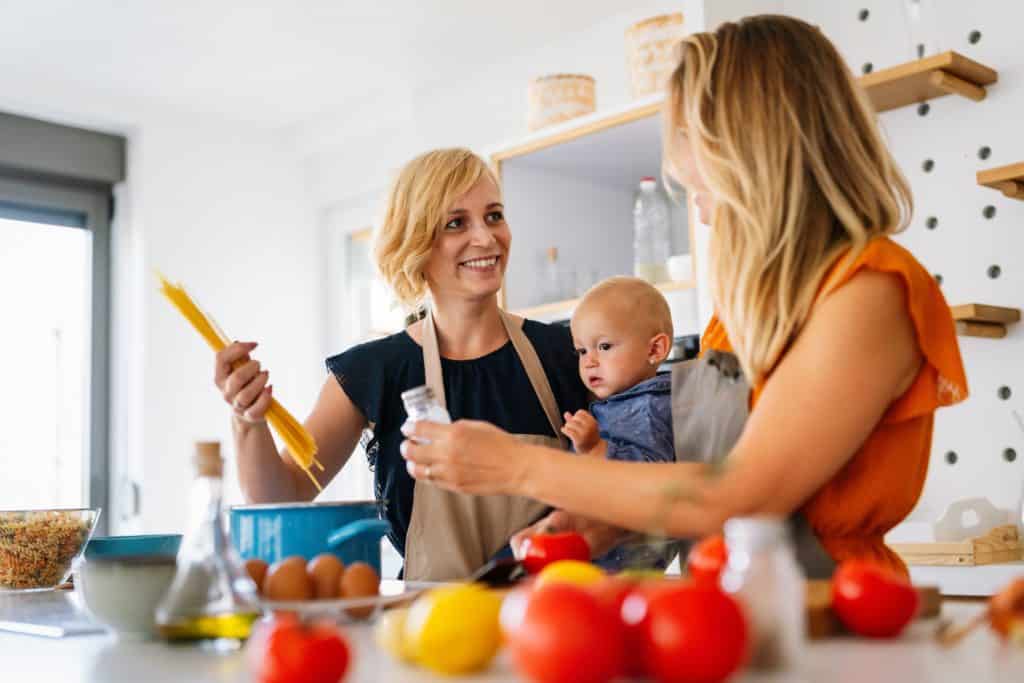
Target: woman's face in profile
pixel 470 253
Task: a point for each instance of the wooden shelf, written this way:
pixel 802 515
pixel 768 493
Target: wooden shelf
pixel 928 78
pixel 569 304
pixel 982 320
pixel 579 127
pixel 1007 179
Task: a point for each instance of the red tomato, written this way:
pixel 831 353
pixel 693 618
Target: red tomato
pixel 693 634
pixel 566 636
pixel 540 550
pixel 289 653
pixel 706 560
pixel 633 612
pixel 612 593
pixel 872 600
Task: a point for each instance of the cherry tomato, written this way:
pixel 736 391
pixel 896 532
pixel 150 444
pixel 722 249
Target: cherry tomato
pixel 289 652
pixel 706 560
pixel 693 634
pixel 872 600
pixel 540 550
pixel 565 635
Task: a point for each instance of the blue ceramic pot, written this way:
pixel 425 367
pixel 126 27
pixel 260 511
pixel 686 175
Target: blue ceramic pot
pixel 272 532
pixel 147 545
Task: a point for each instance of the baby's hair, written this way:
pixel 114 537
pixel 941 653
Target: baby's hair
pixel 630 298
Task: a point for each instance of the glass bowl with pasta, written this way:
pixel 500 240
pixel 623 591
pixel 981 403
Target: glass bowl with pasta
pixel 38 547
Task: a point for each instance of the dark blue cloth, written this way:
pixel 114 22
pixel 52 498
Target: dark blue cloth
pixel 637 426
pixel 637 423
pixel 493 388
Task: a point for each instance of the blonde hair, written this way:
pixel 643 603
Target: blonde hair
pixel 790 150
pixel 424 191
pixel 632 299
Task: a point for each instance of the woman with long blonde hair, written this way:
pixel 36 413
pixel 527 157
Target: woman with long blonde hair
pixel 844 339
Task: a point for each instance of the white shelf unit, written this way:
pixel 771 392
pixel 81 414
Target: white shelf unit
pixel 571 187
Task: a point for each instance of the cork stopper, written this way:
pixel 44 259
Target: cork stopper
pixel 207 459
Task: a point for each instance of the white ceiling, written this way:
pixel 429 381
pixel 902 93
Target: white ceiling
pixel 270 63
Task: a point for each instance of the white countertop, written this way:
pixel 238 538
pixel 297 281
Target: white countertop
pixel 99 658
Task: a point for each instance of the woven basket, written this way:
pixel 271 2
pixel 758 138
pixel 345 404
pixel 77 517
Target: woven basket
pixel 652 52
pixel 559 97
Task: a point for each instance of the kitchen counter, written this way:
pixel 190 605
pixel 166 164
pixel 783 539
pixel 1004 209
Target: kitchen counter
pixel 99 658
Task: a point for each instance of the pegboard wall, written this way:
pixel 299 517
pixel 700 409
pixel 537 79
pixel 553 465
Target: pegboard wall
pixel 970 237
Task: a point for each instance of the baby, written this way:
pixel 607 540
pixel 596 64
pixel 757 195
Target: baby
pixel 622 330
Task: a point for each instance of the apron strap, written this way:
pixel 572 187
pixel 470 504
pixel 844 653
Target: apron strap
pixel 535 372
pixel 432 358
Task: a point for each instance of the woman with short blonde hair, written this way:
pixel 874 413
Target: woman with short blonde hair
pixel 844 338
pixel 443 247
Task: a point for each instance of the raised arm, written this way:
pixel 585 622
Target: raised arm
pixel 266 475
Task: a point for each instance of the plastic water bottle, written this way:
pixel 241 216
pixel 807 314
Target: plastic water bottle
pixel 652 240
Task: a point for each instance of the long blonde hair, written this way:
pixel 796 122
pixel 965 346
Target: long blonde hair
pixel 424 191
pixel 791 153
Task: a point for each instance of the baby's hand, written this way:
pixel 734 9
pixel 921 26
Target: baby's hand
pixel 582 430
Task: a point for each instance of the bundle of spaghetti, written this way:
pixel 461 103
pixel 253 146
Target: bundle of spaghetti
pixel 299 442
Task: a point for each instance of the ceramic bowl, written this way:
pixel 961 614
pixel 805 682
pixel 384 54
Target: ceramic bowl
pixel 122 592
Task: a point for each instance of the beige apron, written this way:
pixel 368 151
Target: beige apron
pixel 451 535
pixel 710 406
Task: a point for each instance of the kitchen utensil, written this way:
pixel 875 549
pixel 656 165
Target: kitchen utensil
pixel 276 531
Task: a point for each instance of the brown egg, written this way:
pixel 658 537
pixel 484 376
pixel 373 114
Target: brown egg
pixel 359 581
pixel 325 570
pixel 288 580
pixel 257 570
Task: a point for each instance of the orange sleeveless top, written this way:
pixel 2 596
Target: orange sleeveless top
pixel 881 483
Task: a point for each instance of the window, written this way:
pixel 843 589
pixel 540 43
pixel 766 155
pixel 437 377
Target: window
pixel 55 200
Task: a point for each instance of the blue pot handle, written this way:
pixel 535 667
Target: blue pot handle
pixel 375 528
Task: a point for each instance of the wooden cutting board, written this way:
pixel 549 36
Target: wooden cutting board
pixel 823 623
pixel 1001 544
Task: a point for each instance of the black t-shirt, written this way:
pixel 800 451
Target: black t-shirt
pixel 494 388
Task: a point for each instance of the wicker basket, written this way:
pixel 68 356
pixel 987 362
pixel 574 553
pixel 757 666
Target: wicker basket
pixel 559 97
pixel 652 52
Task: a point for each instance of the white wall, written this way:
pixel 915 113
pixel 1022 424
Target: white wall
pixel 223 210
pixel 354 153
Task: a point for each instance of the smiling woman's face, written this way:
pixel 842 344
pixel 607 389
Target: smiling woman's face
pixel 469 256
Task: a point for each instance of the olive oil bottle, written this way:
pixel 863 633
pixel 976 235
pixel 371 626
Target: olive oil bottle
pixel 211 600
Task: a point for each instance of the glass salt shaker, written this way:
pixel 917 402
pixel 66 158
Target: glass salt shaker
pixel 763 574
pixel 421 404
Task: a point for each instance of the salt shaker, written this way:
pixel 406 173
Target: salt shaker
pixel 763 574
pixel 421 404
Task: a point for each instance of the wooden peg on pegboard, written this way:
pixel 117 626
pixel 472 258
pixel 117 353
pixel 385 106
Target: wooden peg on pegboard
pixel 957 86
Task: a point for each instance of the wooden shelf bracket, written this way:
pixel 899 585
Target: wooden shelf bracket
pixel 1007 179
pixel 982 320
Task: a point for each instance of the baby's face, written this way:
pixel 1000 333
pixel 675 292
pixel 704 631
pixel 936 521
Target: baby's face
pixel 613 356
